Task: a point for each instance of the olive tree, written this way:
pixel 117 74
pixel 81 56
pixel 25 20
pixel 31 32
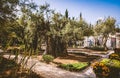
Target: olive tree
pixel 105 27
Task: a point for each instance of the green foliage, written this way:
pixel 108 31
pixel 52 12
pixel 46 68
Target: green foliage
pixel 7 18
pixel 40 25
pixel 114 66
pixel 111 63
pixel 105 26
pixel 35 25
pixel 48 58
pixel 22 47
pixel 7 10
pixel 117 29
pixel 66 13
pixel 75 66
pixel 108 68
pixel 97 48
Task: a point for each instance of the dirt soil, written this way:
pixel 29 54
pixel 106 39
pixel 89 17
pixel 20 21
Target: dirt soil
pixel 75 58
pixel 72 58
pixel 85 50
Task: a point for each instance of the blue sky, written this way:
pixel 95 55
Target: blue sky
pixel 90 9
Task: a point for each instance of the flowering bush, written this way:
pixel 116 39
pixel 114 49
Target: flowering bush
pixel 114 56
pixel 100 69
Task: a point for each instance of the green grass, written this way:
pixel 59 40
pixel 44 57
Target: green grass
pixel 75 66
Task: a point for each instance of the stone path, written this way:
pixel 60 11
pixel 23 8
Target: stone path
pixel 1 51
pixel 49 71
pixel 101 54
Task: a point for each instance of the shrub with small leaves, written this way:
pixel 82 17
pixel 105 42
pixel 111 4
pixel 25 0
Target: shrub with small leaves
pixel 97 48
pixel 114 56
pixel 75 66
pixel 111 63
pixel 48 58
pixel 100 69
pixel 114 66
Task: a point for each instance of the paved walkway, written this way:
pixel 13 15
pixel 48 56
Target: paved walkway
pixel 1 51
pixel 91 52
pixel 49 71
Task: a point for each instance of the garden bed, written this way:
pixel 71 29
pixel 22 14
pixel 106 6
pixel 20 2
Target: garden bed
pixel 108 67
pixel 72 58
pixel 72 62
pixel 76 67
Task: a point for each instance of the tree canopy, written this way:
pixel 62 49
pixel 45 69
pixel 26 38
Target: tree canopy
pixel 105 27
pixel 40 24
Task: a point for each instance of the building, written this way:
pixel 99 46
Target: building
pixel 117 40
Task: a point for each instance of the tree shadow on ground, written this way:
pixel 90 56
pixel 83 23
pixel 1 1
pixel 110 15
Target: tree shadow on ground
pixel 80 57
pixel 9 69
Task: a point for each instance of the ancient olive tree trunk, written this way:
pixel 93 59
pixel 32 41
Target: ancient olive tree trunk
pixel 56 46
pixel 105 41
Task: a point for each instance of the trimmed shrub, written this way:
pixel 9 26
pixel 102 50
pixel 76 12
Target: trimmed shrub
pixel 97 48
pixel 114 66
pixel 114 56
pixel 111 63
pixel 75 66
pixel 100 69
pixel 48 58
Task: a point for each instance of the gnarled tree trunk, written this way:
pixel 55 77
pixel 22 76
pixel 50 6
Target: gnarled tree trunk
pixel 104 44
pixel 56 46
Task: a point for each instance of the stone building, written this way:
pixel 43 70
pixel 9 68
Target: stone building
pixel 117 40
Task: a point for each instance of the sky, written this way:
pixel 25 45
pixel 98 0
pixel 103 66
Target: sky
pixel 91 10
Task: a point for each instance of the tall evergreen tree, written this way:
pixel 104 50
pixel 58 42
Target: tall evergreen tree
pixel 81 18
pixel 66 13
